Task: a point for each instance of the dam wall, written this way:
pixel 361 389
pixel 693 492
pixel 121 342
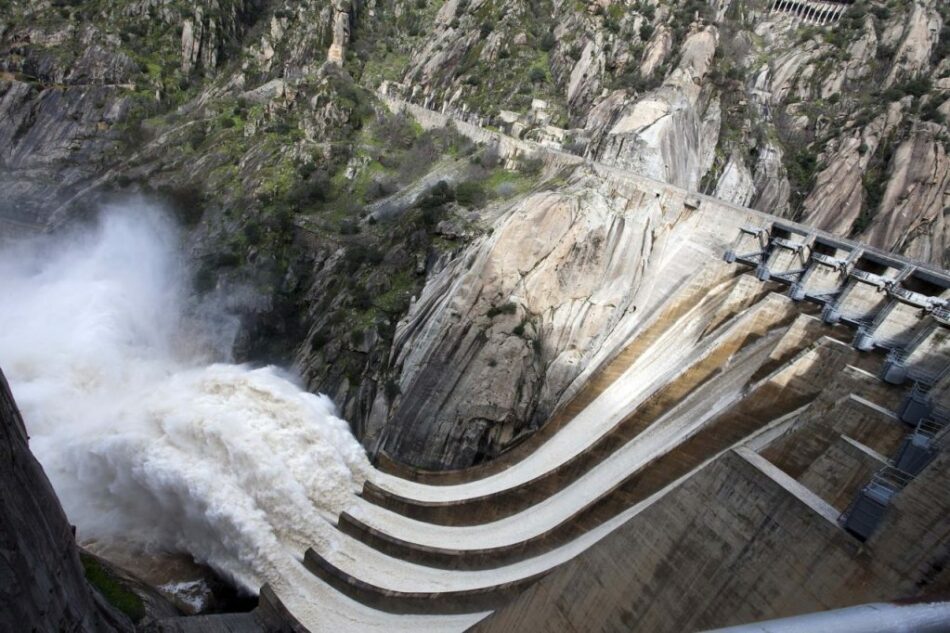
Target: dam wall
pixel 735 542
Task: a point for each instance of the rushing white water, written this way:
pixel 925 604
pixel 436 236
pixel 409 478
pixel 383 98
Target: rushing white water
pixel 146 441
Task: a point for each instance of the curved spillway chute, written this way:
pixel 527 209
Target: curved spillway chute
pixel 653 360
pixel 755 364
pixel 395 585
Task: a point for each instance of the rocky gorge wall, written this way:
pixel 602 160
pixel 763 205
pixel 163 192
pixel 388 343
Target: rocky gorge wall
pixel 227 111
pixel 451 334
pixel 756 106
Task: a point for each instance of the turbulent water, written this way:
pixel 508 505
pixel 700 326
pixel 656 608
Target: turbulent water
pixel 148 441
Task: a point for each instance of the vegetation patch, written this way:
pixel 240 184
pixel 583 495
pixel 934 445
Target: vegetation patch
pixel 504 308
pixel 112 588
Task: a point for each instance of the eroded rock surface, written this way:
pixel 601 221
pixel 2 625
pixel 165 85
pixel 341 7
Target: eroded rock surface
pixel 496 337
pixel 670 133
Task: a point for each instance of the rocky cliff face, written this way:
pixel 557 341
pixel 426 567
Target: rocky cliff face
pixel 756 106
pixel 76 79
pixel 43 587
pixel 498 335
pixel 448 297
pixel 279 166
pixel 670 133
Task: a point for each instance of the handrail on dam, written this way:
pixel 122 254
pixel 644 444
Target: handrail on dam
pixel 929 434
pixel 865 618
pixel 892 304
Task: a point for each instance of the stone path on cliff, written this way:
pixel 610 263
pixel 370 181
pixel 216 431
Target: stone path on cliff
pixel 513 148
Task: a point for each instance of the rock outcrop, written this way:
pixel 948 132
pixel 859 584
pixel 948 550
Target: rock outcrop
pixel 669 134
pixel 498 335
pixel 912 215
pixel 342 18
pixel 839 194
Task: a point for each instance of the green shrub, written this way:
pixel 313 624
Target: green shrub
pixel 874 186
pixel 470 194
pixel 931 112
pixel 196 136
pixel 432 215
pixel 942 49
pixel 391 389
pixel 438 196
pixel 489 158
pixel 252 231
pixel 803 166
pixel 358 254
pixel 319 340
pixel 531 166
pixel 395 130
pixel 186 202
pixel 349 227
pixel 505 308
pixel 916 88
pixel 361 300
pixel 111 588
pixel 313 189
pixel 379 188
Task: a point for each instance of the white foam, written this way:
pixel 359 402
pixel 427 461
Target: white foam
pixel 145 441
pixel 195 594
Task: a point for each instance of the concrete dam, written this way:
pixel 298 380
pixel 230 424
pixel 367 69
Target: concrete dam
pixel 762 434
pixel 753 422
pixel 361 316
